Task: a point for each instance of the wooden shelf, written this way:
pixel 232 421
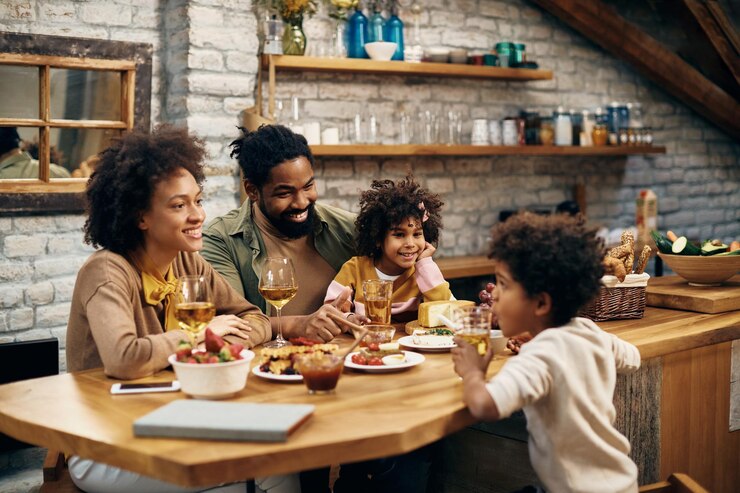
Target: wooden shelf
pixel 468 150
pixel 316 64
pixel 459 267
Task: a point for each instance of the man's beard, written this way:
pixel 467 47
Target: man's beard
pixel 288 228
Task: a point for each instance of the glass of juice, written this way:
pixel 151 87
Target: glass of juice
pixel 474 326
pixel 320 372
pixel 378 294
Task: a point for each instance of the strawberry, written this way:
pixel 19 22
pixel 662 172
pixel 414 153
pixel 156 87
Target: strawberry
pixel 214 343
pixel 212 359
pixel 235 349
pixel 183 354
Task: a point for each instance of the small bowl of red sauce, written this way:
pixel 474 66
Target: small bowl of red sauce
pixel 320 372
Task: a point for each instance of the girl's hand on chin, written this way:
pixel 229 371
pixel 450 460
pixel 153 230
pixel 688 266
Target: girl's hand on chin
pixel 427 252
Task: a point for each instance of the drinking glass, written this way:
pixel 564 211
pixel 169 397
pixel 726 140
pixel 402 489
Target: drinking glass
pixel 378 294
pixel 474 326
pixel 194 307
pixel 278 286
pixel 320 371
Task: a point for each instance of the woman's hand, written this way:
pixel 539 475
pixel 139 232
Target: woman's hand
pixel 467 360
pixel 227 325
pixel 427 252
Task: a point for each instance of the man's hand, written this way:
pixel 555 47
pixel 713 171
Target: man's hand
pixel 427 252
pixel 320 326
pixel 466 359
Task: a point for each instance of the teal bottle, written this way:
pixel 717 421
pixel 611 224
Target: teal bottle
pixel 357 34
pixel 376 26
pixel 394 32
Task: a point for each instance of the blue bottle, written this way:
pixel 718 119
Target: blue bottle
pixel 357 34
pixel 394 32
pixel 376 25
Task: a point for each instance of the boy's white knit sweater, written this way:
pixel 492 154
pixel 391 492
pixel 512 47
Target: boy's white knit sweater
pixel 564 381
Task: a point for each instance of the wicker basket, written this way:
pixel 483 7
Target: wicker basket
pixel 615 303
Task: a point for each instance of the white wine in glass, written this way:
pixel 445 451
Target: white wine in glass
pixel 194 308
pixel 278 286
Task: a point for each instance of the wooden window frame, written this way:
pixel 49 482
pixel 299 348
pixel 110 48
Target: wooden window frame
pixel 132 61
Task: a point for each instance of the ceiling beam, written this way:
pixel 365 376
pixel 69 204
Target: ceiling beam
pixel 604 26
pixel 715 36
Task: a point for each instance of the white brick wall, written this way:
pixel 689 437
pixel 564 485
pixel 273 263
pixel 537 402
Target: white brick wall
pixel 204 74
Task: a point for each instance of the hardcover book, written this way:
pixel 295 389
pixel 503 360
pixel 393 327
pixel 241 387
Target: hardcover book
pixel 236 421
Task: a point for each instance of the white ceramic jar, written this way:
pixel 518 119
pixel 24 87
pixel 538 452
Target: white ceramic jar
pixel 563 128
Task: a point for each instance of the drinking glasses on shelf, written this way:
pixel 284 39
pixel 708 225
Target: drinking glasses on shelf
pixel 194 306
pixel 278 286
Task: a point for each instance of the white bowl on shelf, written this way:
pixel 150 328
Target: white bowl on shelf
pixel 380 50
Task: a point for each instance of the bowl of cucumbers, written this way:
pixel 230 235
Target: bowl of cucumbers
pixel 708 263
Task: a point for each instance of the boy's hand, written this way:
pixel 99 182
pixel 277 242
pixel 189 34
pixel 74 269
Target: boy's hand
pixel 466 358
pixel 427 252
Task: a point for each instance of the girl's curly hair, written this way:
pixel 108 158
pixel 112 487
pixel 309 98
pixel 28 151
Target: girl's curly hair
pixel 259 151
pixel 554 254
pixel 386 205
pixel 121 187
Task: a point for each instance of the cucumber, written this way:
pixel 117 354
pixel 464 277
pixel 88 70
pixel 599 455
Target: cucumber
pixel 729 254
pixel 664 244
pixel 682 247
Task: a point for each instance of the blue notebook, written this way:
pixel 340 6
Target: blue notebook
pixel 237 421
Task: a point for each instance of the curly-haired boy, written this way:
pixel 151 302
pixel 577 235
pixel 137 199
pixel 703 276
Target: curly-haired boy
pixel 547 268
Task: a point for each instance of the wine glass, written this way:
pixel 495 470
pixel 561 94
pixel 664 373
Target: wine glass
pixel 278 286
pixel 194 308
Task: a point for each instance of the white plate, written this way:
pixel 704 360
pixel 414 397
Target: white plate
pixel 412 359
pixel 271 376
pixel 408 341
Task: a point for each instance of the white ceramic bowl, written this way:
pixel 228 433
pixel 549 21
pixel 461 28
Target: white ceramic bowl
pixel 213 380
pixel 380 50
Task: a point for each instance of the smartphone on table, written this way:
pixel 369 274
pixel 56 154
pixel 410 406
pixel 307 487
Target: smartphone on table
pixel 141 388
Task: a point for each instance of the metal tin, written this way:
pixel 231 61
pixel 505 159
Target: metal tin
pixel 519 53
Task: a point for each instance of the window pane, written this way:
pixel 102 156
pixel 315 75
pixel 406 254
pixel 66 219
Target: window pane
pixel 19 92
pixel 16 163
pixel 85 94
pixel 75 148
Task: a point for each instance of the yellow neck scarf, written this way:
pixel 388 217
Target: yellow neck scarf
pixel 158 289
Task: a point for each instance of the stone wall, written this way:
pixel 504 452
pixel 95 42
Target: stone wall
pixel 204 74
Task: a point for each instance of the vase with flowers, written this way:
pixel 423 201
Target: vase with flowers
pixel 292 13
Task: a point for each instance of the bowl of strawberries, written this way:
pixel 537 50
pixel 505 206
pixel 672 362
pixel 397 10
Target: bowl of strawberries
pixel 218 372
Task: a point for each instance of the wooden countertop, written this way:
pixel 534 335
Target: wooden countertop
pixel 470 266
pixel 370 416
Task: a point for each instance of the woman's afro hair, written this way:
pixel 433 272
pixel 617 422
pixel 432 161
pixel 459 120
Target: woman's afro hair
pixel 121 187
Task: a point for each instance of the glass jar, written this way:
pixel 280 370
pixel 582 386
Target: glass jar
pixel 647 136
pixel 600 134
pixel 577 121
pixel 563 128
pixel 624 136
pixel 547 134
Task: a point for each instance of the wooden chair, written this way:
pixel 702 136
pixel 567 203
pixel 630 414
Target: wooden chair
pixel 676 483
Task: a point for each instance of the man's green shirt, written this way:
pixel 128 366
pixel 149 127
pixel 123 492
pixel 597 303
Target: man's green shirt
pixel 233 245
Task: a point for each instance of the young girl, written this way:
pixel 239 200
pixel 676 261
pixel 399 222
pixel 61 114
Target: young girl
pixel 145 211
pixel 396 227
pixel 547 268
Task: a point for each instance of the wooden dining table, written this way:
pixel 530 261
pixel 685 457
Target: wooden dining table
pixel 370 415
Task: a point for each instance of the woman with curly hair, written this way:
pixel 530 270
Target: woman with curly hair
pixel 396 228
pixel 145 209
pixel 547 269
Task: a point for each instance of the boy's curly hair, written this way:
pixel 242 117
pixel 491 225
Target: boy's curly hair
pixel 554 254
pixel 386 205
pixel 123 183
pixel 259 151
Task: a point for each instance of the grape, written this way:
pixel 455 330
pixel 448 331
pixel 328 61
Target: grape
pixel 490 286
